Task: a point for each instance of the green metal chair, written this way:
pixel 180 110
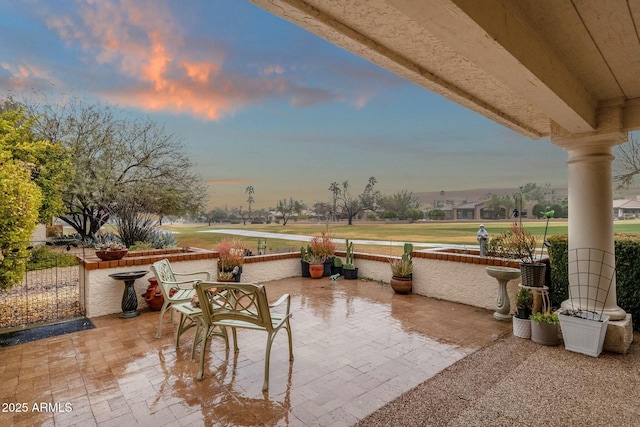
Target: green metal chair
pixel 182 288
pixel 190 317
pixel 241 305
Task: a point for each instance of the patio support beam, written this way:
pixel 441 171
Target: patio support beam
pixel 591 193
pixel 498 37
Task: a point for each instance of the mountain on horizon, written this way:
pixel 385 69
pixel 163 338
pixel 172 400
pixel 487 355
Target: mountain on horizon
pixel 478 194
pixel 472 195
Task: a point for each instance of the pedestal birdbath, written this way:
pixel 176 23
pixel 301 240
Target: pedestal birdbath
pixel 129 298
pixel 503 275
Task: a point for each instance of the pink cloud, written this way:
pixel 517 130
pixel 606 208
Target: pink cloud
pixel 25 75
pixel 146 45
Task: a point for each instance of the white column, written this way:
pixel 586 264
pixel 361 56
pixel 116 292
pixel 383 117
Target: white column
pixel 591 241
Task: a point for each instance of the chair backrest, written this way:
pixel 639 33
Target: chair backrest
pixel 164 273
pixel 234 302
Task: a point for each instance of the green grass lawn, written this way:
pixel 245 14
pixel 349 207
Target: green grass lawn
pixel 463 233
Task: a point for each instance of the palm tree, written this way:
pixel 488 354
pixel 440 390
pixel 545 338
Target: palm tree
pixel 249 190
pixel 335 189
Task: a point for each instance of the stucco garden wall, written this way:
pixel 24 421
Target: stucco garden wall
pixel 451 275
pixel 102 294
pixel 457 277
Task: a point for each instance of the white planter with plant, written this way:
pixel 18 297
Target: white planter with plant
pixel 583 331
pixel 521 320
pixel 584 324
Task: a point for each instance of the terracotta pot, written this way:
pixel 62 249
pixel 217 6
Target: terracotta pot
pixel 316 270
pixel 153 296
pixel 401 285
pixel 111 255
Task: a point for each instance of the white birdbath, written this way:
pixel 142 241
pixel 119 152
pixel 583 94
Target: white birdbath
pixel 503 275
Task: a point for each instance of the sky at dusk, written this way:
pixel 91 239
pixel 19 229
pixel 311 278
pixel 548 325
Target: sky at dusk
pixel 258 101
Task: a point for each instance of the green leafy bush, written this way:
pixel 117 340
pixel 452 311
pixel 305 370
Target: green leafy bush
pixel 627 248
pixel 42 258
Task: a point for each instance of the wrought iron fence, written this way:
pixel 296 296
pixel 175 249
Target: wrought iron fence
pixel 49 289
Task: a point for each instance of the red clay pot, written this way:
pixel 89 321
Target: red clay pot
pixel 401 285
pixel 153 296
pixel 316 270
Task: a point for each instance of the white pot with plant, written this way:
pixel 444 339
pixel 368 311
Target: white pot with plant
pixel 584 324
pixel 521 320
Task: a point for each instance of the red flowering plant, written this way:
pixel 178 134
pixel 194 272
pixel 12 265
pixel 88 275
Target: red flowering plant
pixel 322 245
pixel 231 251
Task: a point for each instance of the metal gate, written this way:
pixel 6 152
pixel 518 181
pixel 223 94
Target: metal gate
pixel 50 285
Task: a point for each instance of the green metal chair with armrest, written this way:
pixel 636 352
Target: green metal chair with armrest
pixel 175 287
pixel 242 305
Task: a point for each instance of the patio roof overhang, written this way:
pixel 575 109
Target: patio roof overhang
pixel 525 64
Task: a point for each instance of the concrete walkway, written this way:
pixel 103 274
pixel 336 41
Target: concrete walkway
pixel 515 382
pixel 300 238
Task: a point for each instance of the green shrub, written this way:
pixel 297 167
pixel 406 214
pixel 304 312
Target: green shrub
pixel 159 239
pixel 436 214
pixel 627 249
pixel 42 258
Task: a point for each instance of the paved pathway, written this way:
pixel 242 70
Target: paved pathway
pixel 251 233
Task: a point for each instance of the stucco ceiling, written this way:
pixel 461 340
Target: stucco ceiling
pixel 524 64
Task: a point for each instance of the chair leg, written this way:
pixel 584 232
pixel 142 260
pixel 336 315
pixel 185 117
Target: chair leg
pixel 162 311
pixel 225 335
pixel 265 385
pixel 203 352
pixel 235 340
pixel 180 329
pixel 196 339
pixel 288 328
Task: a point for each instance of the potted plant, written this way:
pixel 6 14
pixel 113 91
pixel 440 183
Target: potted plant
pixel 322 246
pixel 110 251
pixel 521 321
pixel 231 253
pixel 337 267
pixel 518 243
pixel 226 276
pixel 544 328
pixel 402 271
pixel 583 331
pixel 316 266
pixel 304 260
pixel 584 324
pixel 349 270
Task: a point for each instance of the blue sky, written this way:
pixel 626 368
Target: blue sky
pixel 261 102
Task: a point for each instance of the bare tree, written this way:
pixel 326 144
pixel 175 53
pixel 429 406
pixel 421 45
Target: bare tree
pixel 288 208
pixel 627 163
pixel 113 156
pixel 352 205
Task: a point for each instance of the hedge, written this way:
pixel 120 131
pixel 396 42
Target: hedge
pixel 627 249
